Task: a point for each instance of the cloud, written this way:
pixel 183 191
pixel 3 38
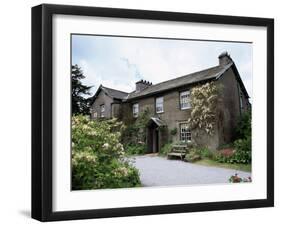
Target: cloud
pixel 119 62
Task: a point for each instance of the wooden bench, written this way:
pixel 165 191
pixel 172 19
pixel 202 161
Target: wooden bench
pixel 178 151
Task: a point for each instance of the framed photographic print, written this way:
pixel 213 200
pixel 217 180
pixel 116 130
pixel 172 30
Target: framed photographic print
pixel 145 112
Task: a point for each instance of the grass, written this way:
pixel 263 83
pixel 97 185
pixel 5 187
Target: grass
pixel 236 166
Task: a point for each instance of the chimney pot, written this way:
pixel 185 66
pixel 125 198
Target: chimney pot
pixel 224 58
pixel 142 84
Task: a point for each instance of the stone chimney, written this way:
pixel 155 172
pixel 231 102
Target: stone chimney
pixel 224 58
pixel 142 84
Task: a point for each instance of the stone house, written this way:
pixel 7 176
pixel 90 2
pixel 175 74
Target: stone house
pixel 169 105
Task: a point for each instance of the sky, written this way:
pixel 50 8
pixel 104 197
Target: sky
pixel 119 62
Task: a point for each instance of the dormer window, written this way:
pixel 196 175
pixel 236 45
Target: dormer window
pixel 136 110
pixel 102 110
pixel 159 105
pixel 185 101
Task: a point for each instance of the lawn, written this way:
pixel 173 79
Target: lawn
pixel 236 166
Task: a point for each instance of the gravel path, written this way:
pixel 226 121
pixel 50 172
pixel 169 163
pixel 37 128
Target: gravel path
pixel 159 171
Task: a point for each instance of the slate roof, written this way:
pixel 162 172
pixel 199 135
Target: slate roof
pixel 113 93
pixel 207 74
pixel 117 94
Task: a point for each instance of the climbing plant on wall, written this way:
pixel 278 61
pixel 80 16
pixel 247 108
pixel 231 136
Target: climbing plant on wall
pixel 204 101
pixel 135 134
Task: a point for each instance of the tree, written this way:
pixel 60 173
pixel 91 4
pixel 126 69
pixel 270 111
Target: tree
pixel 80 104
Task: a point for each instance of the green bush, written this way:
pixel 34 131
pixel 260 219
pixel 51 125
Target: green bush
pixel 205 153
pixel 192 156
pixel 166 149
pixel 224 155
pixel 174 131
pixel 243 149
pixel 135 149
pixel 240 154
pixel 244 126
pixel 135 133
pixel 98 156
pixel 242 145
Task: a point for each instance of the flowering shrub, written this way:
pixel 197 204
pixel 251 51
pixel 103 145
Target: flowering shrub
pixel 236 179
pixel 204 99
pixel 98 156
pixel 242 152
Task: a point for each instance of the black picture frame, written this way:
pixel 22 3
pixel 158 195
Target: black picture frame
pixel 42 111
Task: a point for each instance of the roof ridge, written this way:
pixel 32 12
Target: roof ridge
pixel 178 77
pixel 114 89
pixel 202 75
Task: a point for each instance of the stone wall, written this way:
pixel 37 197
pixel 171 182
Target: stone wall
pixel 112 107
pixel 172 114
pixel 229 111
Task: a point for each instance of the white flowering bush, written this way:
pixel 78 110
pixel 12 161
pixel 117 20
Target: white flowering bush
pixel 98 156
pixel 204 100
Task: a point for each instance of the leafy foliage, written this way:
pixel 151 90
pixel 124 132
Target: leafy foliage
pixel 198 153
pixel 205 153
pixel 134 135
pixel 166 149
pixel 243 145
pixel 80 104
pixel 204 99
pixel 174 131
pixel 244 127
pixel 192 156
pixel 98 156
pixel 243 149
pixel 135 149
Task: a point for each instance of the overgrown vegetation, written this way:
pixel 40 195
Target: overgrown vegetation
pixel 204 101
pixel 174 131
pixel 166 149
pixel 197 153
pixel 134 135
pixel 242 146
pixel 136 149
pixel 98 156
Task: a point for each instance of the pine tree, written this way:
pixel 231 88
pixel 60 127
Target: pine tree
pixel 80 104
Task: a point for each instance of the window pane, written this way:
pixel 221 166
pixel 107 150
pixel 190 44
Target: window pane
pixel 185 133
pixel 102 109
pixel 185 100
pixel 159 104
pixel 135 110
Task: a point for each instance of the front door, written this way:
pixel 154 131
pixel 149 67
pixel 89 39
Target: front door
pixel 153 138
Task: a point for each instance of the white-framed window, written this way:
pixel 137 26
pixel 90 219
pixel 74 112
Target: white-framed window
pixel 95 114
pixel 185 133
pixel 185 102
pixel 102 110
pixel 159 104
pixel 136 110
